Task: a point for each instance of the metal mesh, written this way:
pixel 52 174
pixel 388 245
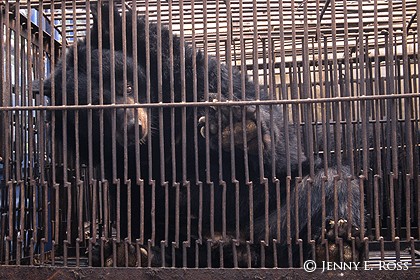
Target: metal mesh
pixel 338 83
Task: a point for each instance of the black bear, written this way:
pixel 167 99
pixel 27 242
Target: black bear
pixel 184 182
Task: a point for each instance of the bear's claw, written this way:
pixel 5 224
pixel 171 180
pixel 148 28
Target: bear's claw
pixel 233 124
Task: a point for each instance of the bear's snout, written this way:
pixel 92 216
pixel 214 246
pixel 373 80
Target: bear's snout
pixel 141 117
pixel 128 120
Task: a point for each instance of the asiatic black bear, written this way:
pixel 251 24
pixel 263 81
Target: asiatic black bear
pixel 184 167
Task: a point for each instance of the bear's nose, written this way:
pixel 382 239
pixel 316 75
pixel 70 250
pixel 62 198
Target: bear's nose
pixel 131 129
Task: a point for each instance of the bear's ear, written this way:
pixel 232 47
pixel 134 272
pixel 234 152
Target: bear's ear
pixel 103 13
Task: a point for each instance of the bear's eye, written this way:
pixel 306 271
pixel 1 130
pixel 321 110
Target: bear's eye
pixel 129 89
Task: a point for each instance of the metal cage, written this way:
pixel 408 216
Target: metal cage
pixel 344 76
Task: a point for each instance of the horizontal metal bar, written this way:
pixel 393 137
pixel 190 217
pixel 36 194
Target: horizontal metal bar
pixel 216 103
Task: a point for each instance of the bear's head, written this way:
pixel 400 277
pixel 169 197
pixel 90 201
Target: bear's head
pixel 113 78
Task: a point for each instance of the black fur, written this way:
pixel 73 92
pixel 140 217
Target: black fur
pixel 289 161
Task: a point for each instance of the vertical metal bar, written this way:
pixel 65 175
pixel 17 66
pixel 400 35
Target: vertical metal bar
pixel 66 183
pixel 56 186
pixel 163 183
pixel 391 89
pixel 347 106
pixel 92 177
pixel 324 136
pixel 43 218
pixel 101 91
pixel 79 183
pixel 18 100
pixel 21 164
pixel 407 122
pixel 376 207
pixel 264 51
pixel 174 178
pixel 285 109
pixel 160 93
pixel 3 145
pixel 363 114
pixel 115 176
pixel 7 133
pixel 295 76
pixel 417 59
pixel 104 179
pixel 377 77
pixel 196 178
pixel 348 119
pixel 139 180
pixel 3 138
pixel 308 116
pixel 393 111
pixel 270 94
pixel 243 97
pixel 295 89
pixel 127 179
pixel 35 189
pixel 219 118
pixel 185 182
pixel 334 77
pixel 209 182
pixel 397 249
pixel 258 117
pixel 231 96
pixel 30 142
pixel 149 137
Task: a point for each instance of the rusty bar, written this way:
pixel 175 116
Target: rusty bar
pixel 230 96
pixel 92 181
pixel 309 145
pixel 355 103
pixel 65 183
pixel 391 97
pixel 294 94
pixel 116 181
pixel 407 183
pixel 55 186
pixel 127 179
pixel 347 105
pixel 255 38
pixel 19 138
pixel 139 180
pixel 173 175
pixel 407 102
pixel 376 207
pixel 78 182
pixel 2 123
pixel 208 182
pixel 196 178
pixel 335 89
pixel 104 183
pixel 349 143
pixel 378 173
pixel 392 89
pixel 184 98
pixel 7 133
